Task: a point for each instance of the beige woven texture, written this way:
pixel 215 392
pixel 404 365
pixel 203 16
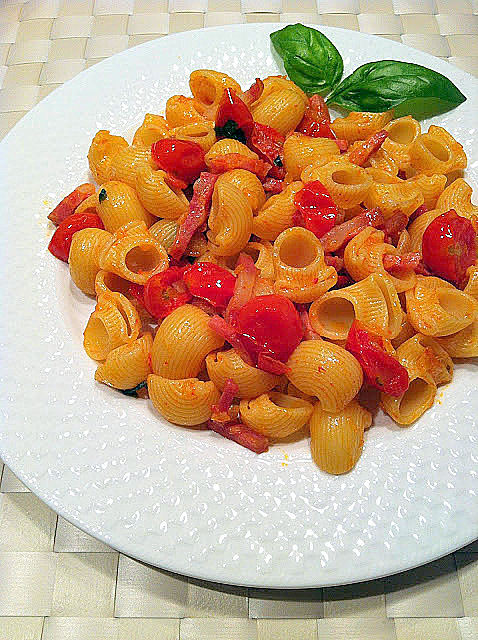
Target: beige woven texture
pixel 57 583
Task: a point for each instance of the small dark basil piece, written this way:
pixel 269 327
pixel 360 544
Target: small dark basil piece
pixel 310 59
pixel 278 162
pixel 134 391
pixel 102 195
pixel 405 87
pixel 231 130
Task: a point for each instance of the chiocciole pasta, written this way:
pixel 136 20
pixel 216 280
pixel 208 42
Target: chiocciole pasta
pixel 256 264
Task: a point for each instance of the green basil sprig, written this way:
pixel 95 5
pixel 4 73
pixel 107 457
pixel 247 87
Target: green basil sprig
pixel 315 65
pixel 310 59
pixel 402 86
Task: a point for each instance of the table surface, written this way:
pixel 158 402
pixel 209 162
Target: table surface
pixel 57 583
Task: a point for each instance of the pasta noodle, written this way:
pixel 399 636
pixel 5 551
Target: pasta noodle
pixel 202 133
pixel 300 270
pixel 249 185
pixel 276 214
pixel 436 152
pixel 251 382
pixel 436 308
pixel 128 365
pixel 119 205
pixel 157 196
pixel 114 322
pixel 182 343
pixel 364 256
pixel 230 220
pixel 154 128
pixel 282 110
pixel 181 112
pixel 457 196
pixel 300 151
pixel 86 246
pixel 336 439
pixel 102 150
pixel 207 88
pixel 276 415
pixel 347 183
pixel 134 254
pixel 326 371
pixel 185 402
pixel 360 125
pixel 373 302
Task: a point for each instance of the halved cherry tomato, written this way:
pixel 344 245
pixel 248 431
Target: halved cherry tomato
pixel 381 370
pixel 69 203
pixel 270 324
pixel 210 282
pixel 164 292
pixel 233 118
pixel 449 247
pixel 316 120
pixel 181 158
pixel 60 242
pixel 317 208
pixel 268 144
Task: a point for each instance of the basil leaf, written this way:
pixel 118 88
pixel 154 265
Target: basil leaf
pixel 407 88
pixel 102 195
pixel 133 392
pixel 232 131
pixel 310 59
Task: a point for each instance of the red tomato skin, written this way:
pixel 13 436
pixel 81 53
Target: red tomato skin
pixel 70 202
pixel 381 370
pixel 231 107
pixel 60 242
pixel 316 207
pixel 270 324
pixel 449 247
pixel 181 158
pixel 267 143
pixel 210 282
pixel 160 297
pixel 316 120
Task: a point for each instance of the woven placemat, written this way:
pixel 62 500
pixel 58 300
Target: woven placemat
pixel 57 583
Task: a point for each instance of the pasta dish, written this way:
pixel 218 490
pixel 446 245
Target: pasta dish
pixel 258 267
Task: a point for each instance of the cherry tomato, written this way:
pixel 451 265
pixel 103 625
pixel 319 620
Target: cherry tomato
pixel 268 144
pixel 233 118
pixel 210 282
pixel 317 208
pixel 60 242
pixel 449 247
pixel 69 203
pixel 270 324
pixel 381 370
pixel 161 297
pixel 181 158
pixel 316 120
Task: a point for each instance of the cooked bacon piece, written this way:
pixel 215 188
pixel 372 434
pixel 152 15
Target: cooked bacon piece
pixel 393 226
pixel 197 214
pixel 253 93
pixel 69 203
pixel 229 333
pixel 343 145
pixel 246 273
pixel 343 280
pixel 401 265
pixel 220 411
pixel 204 305
pixel 362 150
pixel 230 161
pixel 271 365
pixel 334 261
pixel 272 185
pixel 342 233
pixel 241 434
pixel 309 332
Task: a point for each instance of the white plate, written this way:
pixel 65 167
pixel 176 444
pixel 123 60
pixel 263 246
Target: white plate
pixel 188 501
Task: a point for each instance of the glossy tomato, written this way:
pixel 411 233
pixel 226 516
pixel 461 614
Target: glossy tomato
pixel 316 120
pixel 233 118
pixel 164 292
pixel 60 242
pixel 381 370
pixel 449 247
pixel 181 158
pixel 315 205
pixel 210 282
pixel 270 324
